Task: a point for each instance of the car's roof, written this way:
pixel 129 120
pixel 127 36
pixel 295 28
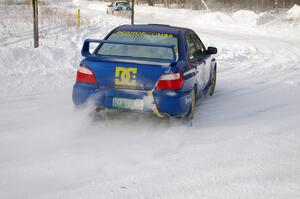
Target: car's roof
pixel 154 28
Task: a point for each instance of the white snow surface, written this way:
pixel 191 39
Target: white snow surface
pixel 244 142
pixel 294 13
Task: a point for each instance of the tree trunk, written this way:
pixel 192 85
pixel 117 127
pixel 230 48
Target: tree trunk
pixel 132 12
pixel 151 2
pixel 195 4
pixel 204 4
pixel 35 23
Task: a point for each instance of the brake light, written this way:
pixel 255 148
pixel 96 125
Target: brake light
pixel 85 75
pixel 172 81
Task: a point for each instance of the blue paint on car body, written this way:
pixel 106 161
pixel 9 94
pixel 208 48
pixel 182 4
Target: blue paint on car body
pixel 131 60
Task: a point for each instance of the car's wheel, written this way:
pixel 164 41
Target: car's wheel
pixel 213 82
pixel 193 106
pixel 98 109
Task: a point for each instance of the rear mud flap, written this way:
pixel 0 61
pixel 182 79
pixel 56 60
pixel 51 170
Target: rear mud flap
pixel 154 108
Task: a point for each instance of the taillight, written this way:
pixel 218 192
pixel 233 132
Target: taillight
pixel 85 75
pixel 172 81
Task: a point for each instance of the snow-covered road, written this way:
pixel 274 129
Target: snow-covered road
pixel 244 142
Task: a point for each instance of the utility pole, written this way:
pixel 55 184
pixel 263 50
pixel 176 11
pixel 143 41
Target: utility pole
pixel 35 23
pixel 132 12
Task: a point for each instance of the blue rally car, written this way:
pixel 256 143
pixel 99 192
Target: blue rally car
pixel 149 68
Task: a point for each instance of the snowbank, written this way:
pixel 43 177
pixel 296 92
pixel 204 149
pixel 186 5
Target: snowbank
pixel 293 13
pixel 217 17
pixel 265 18
pixel 26 69
pixel 245 17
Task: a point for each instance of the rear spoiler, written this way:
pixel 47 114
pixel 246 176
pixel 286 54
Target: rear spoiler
pixel 86 46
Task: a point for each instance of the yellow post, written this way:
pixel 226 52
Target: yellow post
pixel 78 17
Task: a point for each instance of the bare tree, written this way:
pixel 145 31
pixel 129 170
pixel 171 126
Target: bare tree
pixel 225 4
pixel 150 2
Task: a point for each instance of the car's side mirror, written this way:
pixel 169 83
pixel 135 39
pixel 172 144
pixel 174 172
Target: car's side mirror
pixel 211 50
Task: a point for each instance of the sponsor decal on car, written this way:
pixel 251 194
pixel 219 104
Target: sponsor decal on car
pixel 145 33
pixel 125 77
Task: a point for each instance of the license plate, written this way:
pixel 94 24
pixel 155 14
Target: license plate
pixel 123 103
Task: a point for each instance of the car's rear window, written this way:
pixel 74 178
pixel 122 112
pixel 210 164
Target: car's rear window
pixel 135 51
pixel 122 4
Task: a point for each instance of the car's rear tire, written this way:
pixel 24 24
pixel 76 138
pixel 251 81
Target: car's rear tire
pixel 191 114
pixel 213 82
pixel 98 109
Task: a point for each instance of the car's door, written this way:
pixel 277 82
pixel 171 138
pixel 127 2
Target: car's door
pixel 202 58
pixel 194 62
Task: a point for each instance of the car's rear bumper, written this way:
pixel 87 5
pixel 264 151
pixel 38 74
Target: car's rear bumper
pixel 173 103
